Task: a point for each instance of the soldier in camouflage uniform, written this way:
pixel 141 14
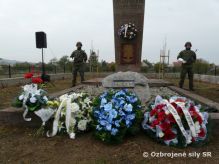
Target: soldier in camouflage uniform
pixel 80 58
pixel 189 57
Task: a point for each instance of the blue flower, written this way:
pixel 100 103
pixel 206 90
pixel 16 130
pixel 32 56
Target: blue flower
pixel 108 107
pixel 120 93
pixel 113 113
pixel 117 123
pixel 103 102
pixel 109 127
pixel 114 131
pixel 128 123
pixel 128 107
pixel 132 99
pixel 103 122
pixel 130 117
pixel 121 113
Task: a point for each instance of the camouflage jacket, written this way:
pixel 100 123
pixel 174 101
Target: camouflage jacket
pixel 79 56
pixel 188 55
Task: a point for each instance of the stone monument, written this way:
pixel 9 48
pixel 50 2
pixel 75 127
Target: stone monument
pixel 130 80
pixel 128 33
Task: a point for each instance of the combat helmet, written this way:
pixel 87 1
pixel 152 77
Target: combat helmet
pixel 79 44
pixel 188 43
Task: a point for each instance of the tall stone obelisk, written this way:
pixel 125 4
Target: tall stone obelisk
pixel 128 33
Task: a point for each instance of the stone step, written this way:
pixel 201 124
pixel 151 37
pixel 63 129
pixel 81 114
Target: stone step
pixel 195 97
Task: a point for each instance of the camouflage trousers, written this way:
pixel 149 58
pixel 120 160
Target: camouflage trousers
pixel 184 71
pixel 79 67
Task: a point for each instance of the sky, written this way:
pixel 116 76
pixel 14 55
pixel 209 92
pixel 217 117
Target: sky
pixel 68 21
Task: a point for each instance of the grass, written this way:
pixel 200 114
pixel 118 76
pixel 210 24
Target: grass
pixel 210 91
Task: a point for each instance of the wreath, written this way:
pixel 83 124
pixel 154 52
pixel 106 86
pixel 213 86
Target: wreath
pixel 176 121
pixel 128 31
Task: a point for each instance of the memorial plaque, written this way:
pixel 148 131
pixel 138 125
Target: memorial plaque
pixel 128 51
pixel 123 84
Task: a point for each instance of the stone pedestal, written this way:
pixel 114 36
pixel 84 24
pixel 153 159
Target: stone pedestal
pixel 130 80
pixel 128 52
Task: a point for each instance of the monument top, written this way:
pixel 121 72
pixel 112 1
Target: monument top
pixel 128 33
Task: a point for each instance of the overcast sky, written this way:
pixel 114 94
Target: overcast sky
pixel 69 21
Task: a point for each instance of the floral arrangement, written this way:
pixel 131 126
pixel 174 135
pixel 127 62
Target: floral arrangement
pixel 34 80
pixel 176 122
pixel 73 114
pixel 128 31
pixel 116 113
pixel 34 100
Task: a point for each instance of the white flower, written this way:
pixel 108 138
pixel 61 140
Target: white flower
pixel 74 107
pixel 161 134
pixel 82 125
pixel 21 97
pixel 45 98
pixel 83 105
pixel 72 135
pixel 63 97
pixel 87 100
pixel 72 122
pixel 74 96
pixel 33 100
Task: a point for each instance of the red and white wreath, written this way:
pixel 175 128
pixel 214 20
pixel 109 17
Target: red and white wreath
pixel 177 121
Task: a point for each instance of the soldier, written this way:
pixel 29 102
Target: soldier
pixel 80 57
pixel 187 57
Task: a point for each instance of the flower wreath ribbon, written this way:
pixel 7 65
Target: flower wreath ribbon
pixel 68 123
pixel 176 116
pixel 56 120
pixel 188 117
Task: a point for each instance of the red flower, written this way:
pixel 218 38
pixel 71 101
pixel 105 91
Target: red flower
pixel 202 133
pixel 171 118
pixel 153 112
pixel 155 123
pixel 164 126
pixel 28 75
pixel 169 135
pixel 160 106
pixel 37 80
pixel 196 116
pixel 199 118
pixel 161 116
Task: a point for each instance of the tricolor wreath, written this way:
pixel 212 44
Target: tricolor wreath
pixel 34 100
pixel 128 31
pixel 176 122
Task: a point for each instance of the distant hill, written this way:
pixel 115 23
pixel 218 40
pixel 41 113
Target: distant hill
pixel 7 61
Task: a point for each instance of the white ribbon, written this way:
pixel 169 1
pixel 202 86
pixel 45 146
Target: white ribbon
pixel 176 116
pixel 25 107
pixel 188 118
pixel 56 120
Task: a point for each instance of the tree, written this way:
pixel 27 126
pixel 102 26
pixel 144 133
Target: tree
pixel 53 61
pixel 63 61
pixel 201 66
